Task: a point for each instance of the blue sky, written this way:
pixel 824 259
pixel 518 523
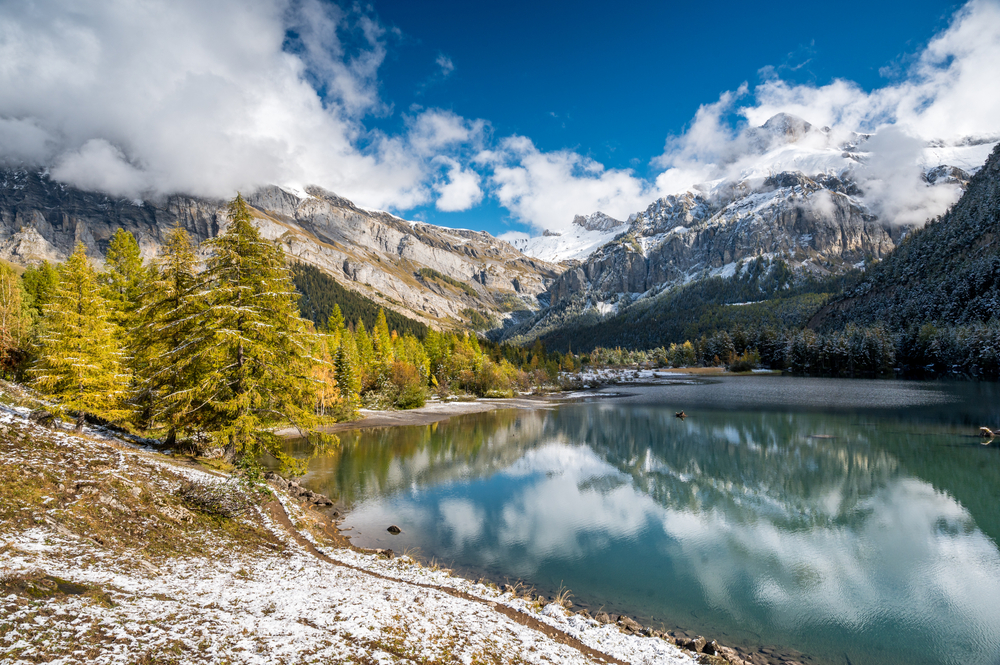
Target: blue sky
pixel 510 116
pixel 613 80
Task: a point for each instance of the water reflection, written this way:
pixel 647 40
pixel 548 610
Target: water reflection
pixel 867 536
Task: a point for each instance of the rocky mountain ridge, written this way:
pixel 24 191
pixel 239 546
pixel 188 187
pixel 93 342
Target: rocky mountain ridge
pixel 375 253
pixel 798 198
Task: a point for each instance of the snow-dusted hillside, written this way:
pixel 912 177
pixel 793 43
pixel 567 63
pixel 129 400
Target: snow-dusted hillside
pixel 584 237
pixel 819 201
pixel 894 178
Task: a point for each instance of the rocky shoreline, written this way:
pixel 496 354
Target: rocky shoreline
pixel 708 651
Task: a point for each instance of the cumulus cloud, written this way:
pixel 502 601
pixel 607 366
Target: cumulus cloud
pixel 460 191
pixel 547 189
pixel 155 97
pixel 946 97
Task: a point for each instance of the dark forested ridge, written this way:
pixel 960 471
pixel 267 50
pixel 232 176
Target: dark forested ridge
pixel 947 273
pixel 761 294
pixel 320 292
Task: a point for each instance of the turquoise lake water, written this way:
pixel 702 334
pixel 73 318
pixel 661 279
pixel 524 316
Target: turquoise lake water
pixel 849 521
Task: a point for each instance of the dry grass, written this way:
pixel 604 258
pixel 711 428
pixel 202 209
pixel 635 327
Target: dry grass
pixel 110 495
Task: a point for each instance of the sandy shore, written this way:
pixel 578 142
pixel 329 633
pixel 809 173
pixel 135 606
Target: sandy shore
pixel 435 412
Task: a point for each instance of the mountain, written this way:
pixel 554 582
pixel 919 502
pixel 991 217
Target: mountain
pixel 586 234
pixel 792 194
pixel 438 275
pixel 945 273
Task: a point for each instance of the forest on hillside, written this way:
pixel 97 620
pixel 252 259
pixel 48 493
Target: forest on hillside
pixel 221 356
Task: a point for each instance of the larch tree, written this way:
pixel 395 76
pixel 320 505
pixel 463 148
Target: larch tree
pixel 124 284
pixel 124 280
pixel 15 321
pixel 167 328
pixel 79 358
pixel 257 344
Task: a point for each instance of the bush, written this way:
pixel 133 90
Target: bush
pixel 745 362
pixel 407 386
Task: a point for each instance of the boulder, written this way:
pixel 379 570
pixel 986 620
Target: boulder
pixel 394 530
pixel 629 625
pixel 603 617
pixel 696 645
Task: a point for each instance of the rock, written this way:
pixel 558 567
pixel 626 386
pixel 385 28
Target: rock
pixel 394 529
pixel 375 251
pixel 42 417
pixel 696 645
pixel 584 613
pixel 629 624
pixel 711 648
pixel 603 617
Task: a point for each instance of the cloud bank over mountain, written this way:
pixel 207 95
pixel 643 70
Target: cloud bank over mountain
pixel 154 97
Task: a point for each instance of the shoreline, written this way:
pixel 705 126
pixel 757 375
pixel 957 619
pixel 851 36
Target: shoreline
pixel 104 559
pixel 591 381
pixel 433 412
pixel 439 411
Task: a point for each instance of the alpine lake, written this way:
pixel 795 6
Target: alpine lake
pixel 817 520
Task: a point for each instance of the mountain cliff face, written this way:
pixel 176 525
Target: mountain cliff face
pixel 946 273
pixel 817 225
pixel 375 253
pixel 797 197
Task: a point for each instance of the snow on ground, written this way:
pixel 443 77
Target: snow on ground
pixel 599 376
pixel 72 593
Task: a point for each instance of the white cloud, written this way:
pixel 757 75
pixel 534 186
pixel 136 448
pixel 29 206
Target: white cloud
pixel 156 97
pixel 947 95
pixel 446 65
pixel 435 130
pixel 547 189
pixel 461 191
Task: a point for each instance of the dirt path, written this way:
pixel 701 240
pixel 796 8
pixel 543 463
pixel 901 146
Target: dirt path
pixel 278 514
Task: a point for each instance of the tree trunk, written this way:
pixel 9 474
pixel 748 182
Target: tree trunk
pixel 79 421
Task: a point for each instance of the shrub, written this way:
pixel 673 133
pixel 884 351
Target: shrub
pixel 407 386
pixel 745 362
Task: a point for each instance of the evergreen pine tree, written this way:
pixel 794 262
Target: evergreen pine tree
pixel 260 351
pixel 40 285
pixel 348 381
pixel 335 325
pixel 79 360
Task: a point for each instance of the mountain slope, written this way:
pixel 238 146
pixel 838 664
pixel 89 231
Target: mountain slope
pixel 374 253
pixel 793 193
pixel 948 272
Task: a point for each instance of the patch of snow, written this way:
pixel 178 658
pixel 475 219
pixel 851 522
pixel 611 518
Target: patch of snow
pixel 577 243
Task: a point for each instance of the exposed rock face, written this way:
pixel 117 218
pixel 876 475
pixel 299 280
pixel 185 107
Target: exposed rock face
pixel 597 221
pixel 816 224
pixel 375 253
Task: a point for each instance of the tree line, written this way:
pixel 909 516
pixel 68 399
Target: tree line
pixel 217 353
